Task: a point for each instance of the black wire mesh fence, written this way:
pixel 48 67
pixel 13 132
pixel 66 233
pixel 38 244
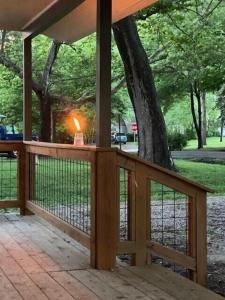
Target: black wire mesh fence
pixel 63 188
pixel 124 204
pixel 169 222
pixel 8 178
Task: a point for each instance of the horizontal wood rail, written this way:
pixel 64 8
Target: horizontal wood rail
pixel 172 255
pixel 164 176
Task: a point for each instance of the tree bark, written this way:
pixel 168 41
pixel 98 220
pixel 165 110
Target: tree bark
pixel 153 144
pixel 196 122
pixel 204 118
pixel 221 129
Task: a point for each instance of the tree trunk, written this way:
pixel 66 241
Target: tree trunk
pixel 45 118
pixel 152 134
pixel 203 117
pixel 197 123
pixel 221 130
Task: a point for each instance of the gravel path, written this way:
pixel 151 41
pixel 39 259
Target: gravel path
pixel 216 244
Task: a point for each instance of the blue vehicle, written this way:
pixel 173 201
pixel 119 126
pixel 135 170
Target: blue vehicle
pixel 7 133
pixel 119 138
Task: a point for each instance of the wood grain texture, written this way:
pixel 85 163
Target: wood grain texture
pixel 34 262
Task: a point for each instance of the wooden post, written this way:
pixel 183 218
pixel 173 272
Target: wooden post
pixel 27 89
pixel 106 214
pixel 141 215
pixel 192 233
pixel 201 238
pixel 131 210
pixel 103 84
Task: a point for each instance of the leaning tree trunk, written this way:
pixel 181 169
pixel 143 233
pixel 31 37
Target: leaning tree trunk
pixel 152 134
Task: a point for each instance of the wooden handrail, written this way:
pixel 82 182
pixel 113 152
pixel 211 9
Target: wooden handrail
pixel 164 171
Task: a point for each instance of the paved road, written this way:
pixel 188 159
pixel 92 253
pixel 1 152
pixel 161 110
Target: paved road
pixel 198 154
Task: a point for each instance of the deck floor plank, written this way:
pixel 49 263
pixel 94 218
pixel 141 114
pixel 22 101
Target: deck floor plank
pixel 38 262
pixel 149 289
pixel 73 286
pixel 7 290
pixel 174 284
pixel 63 254
pixel 26 287
pixel 50 287
pixel 124 286
pixel 97 286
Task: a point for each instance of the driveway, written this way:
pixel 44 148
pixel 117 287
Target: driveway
pixel 188 154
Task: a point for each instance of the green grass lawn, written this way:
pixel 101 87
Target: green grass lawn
pixel 211 175
pixel 213 143
pixel 8 180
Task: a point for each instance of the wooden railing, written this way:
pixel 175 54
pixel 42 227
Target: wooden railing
pixel 115 201
pixel 140 242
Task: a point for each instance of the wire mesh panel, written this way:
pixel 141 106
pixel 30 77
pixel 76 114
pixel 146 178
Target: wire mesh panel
pixel 8 178
pixel 124 202
pixel 63 188
pixel 169 221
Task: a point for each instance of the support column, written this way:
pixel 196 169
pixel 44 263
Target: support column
pixel 106 211
pixel 103 84
pixel 27 89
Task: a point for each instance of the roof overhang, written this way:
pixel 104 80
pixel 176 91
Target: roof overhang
pixel 80 22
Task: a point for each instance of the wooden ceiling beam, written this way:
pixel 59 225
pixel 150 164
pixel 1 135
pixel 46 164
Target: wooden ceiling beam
pixel 53 13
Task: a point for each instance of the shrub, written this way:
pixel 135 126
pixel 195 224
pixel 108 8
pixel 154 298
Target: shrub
pixel 177 141
pixel 190 134
pixel 130 137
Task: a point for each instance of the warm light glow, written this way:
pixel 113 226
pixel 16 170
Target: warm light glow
pixel 77 124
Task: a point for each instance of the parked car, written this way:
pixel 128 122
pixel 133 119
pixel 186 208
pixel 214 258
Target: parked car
pixel 119 138
pixel 7 134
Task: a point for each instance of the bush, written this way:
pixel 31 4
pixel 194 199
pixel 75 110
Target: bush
pixel 130 137
pixel 190 134
pixel 177 141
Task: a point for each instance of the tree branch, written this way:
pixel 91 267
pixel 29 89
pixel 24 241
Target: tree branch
pixel 53 52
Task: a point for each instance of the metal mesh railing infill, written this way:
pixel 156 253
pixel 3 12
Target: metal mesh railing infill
pixel 124 204
pixel 8 178
pixel 169 222
pixel 62 187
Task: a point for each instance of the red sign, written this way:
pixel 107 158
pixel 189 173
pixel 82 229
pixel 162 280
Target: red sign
pixel 134 127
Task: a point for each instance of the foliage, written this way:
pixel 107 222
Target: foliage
pixel 177 141
pixel 185 43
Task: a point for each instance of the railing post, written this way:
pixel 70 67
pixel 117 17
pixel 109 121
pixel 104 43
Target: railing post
pixel 192 239
pixel 201 238
pixel 21 192
pixel 106 211
pixel 141 215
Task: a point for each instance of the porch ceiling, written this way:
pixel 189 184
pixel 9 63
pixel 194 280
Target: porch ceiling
pixel 14 15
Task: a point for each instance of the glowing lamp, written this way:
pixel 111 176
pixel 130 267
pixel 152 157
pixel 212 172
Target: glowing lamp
pixel 78 136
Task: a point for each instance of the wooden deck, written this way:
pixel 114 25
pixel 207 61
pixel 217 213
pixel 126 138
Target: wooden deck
pixel 39 262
